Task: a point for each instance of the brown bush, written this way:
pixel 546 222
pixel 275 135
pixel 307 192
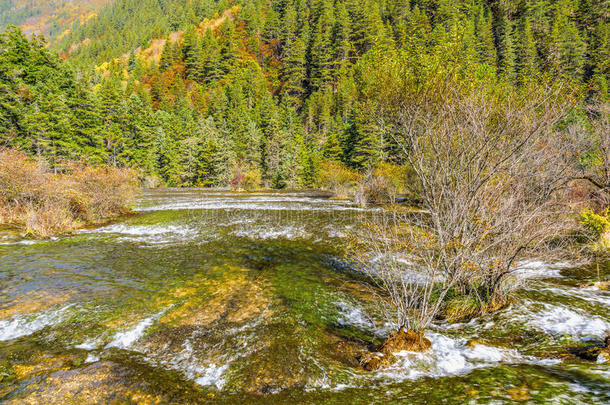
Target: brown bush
pixel 383 185
pixel 41 203
pixel 374 189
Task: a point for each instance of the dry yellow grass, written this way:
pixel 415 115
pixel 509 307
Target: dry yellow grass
pixel 41 203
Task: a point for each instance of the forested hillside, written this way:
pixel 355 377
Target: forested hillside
pixel 51 18
pixel 212 93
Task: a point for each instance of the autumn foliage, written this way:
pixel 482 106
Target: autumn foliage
pixel 41 202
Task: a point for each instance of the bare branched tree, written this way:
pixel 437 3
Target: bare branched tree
pixel 490 179
pixel 590 152
pixel 491 182
pixel 388 259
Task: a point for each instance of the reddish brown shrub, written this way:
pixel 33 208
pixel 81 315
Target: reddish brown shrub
pixel 41 203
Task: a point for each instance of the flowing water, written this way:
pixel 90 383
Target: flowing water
pixel 218 297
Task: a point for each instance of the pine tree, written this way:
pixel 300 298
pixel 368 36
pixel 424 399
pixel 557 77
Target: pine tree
pixel 85 124
pixel 341 44
pixel 56 142
pixel 212 65
pixel 506 50
pixel 368 142
pixel 131 62
pixel 485 46
pixel 600 60
pixel 138 132
pixel 111 111
pixel 321 50
pixel 271 29
pixel 527 55
pixel 567 49
pixel 251 15
pixel 228 48
pixel 289 25
pixel 332 147
pixel 294 70
pixel 168 56
pixel 191 50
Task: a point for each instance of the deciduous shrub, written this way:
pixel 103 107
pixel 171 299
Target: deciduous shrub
pixel 395 178
pixel 338 178
pixel 41 202
pixel 597 223
pixel 246 178
pixel 383 184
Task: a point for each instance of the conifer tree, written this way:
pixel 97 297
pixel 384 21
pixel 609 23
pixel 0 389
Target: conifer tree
pixel 367 142
pixel 212 66
pixel 191 50
pixel 341 44
pixel 85 124
pixel 485 46
pixel 332 147
pixel 228 47
pixel 294 70
pixel 321 52
pixel 567 47
pixel 506 48
pixel 111 111
pixel 138 132
pixel 251 15
pixel 131 62
pixel 527 54
pixel 168 56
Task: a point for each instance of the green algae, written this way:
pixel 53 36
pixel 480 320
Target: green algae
pixel 273 313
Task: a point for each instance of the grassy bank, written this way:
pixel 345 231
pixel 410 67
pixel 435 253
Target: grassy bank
pixel 41 202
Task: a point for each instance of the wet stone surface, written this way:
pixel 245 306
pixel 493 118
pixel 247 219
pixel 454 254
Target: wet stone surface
pixel 219 297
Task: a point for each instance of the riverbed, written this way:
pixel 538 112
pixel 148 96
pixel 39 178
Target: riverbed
pixel 220 297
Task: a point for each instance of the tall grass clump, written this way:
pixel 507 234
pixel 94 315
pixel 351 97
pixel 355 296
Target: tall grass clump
pixel 40 202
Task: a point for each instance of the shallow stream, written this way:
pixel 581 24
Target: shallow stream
pixel 219 297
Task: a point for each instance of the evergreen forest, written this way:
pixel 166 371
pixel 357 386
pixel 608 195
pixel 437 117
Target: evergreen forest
pixel 274 92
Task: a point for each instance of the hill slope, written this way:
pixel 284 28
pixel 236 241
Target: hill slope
pixel 51 18
pixel 211 92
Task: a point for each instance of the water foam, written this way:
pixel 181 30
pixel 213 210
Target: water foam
pixel 206 204
pixel 586 294
pixel 540 269
pixel 560 321
pixel 92 358
pixel 125 339
pixel 23 325
pixel 21 242
pixel 449 356
pixel 151 234
pixel 354 316
pixel 288 232
pixel 186 362
pixel 212 376
pixel 90 344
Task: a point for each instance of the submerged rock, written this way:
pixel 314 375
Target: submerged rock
pixel 349 352
pixel 598 285
pixel 374 361
pixel 599 353
pixel 403 340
